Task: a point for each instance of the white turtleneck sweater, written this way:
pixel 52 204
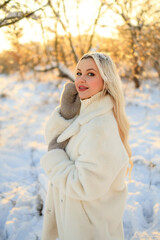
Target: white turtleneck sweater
pixel 87 192
pixel 86 102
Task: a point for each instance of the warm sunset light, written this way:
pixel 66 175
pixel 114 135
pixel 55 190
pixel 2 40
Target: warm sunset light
pixel 60 31
pixel 79 119
pixel 33 32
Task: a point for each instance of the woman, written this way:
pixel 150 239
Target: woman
pixel 88 156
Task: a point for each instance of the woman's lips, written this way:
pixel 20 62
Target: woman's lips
pixel 82 88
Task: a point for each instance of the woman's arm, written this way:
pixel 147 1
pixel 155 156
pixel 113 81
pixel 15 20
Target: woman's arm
pixel 56 125
pixel 101 157
pixel 64 114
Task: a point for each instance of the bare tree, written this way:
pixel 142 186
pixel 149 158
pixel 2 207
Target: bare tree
pixel 99 14
pixel 13 12
pixel 69 47
pixel 66 48
pixel 14 34
pixel 155 47
pixel 65 25
pixel 138 18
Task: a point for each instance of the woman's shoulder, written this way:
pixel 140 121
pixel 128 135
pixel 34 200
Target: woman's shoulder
pixel 103 124
pixel 105 119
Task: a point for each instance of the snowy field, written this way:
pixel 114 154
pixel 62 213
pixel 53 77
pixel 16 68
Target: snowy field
pixel 24 110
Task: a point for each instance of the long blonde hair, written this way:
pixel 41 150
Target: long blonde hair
pixel 113 86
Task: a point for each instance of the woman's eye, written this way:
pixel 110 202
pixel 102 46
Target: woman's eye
pixel 78 74
pixel 91 74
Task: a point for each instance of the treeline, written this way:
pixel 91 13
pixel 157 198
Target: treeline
pixel 136 46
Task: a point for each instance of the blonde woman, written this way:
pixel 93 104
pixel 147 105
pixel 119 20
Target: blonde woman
pixel 88 156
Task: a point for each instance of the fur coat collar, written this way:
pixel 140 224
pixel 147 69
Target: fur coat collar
pixel 90 108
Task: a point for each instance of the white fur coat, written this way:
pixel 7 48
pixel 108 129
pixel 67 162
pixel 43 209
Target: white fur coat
pixel 87 191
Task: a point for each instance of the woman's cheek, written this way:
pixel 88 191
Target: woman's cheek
pixel 75 83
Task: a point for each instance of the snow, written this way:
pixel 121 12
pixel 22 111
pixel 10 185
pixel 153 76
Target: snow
pixel 65 71
pixel 14 15
pixel 24 109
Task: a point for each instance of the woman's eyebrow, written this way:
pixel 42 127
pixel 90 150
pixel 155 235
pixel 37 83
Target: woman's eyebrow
pixel 89 69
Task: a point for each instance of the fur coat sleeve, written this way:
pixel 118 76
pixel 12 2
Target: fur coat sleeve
pixel 101 157
pixel 51 129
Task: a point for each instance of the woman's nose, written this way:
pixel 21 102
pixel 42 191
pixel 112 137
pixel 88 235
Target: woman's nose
pixel 81 78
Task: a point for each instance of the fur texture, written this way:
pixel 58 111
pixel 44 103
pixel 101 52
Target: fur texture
pixel 88 193
pixel 56 124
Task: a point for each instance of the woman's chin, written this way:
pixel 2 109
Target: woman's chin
pixel 83 97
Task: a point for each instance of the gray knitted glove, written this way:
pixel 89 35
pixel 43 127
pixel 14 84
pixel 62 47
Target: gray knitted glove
pixel 54 145
pixel 70 101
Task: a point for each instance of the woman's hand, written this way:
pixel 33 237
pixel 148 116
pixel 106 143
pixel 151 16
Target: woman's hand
pixel 70 101
pixel 54 145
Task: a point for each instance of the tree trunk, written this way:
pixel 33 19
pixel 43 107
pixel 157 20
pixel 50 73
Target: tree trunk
pixel 157 67
pixel 137 69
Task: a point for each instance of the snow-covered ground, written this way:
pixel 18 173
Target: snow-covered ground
pixel 24 110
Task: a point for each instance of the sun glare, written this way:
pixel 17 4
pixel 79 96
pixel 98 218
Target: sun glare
pixel 86 18
pixel 4 42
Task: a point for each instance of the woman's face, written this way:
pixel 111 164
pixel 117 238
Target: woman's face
pixel 88 80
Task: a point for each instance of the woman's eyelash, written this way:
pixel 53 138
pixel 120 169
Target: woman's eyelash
pixel 78 73
pixel 91 74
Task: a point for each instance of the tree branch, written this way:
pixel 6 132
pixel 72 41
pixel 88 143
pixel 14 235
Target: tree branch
pixel 18 17
pixel 65 28
pixel 4 4
pixel 94 26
